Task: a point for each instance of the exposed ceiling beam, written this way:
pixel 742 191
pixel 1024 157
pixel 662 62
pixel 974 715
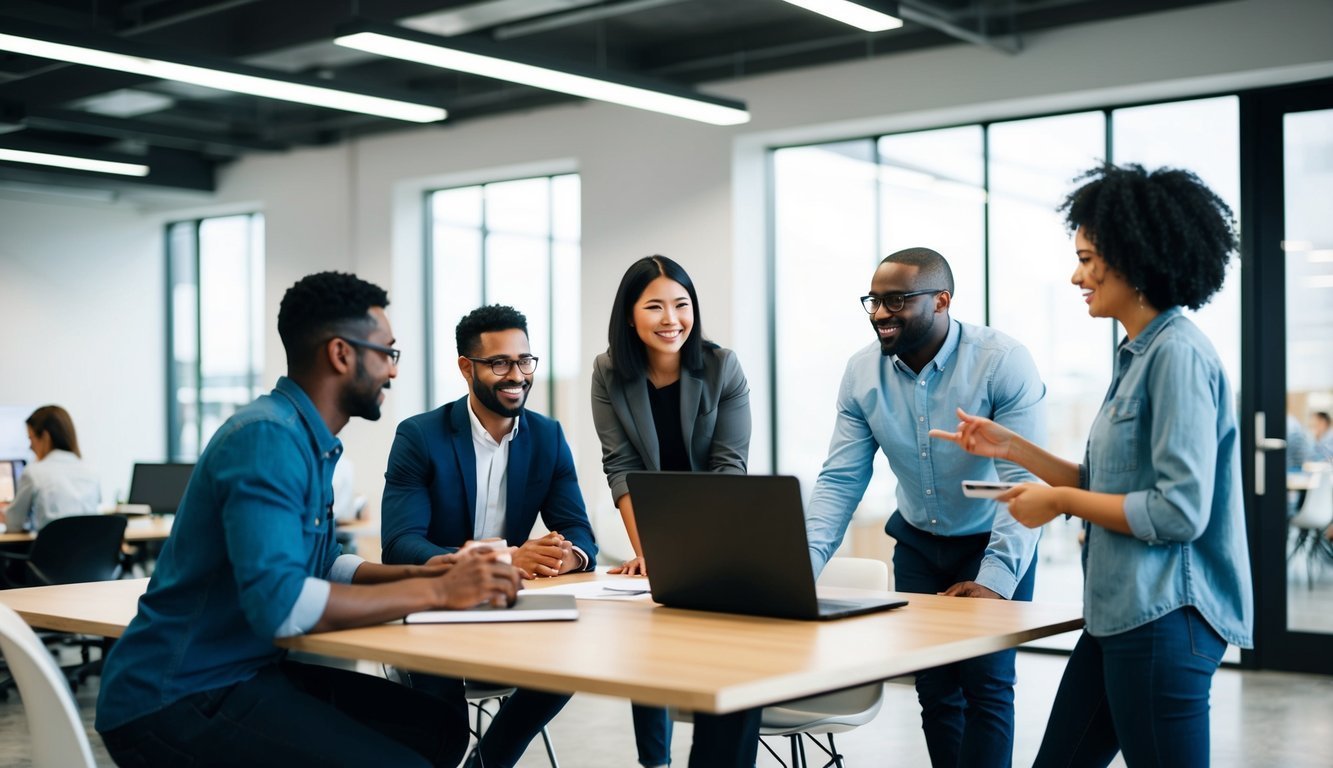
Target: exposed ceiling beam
pixel 144 130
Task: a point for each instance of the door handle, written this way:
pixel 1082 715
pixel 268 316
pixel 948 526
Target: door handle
pixel 1262 445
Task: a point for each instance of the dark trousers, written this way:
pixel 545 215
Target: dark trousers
pixel 1143 692
pixel 967 708
pixel 652 734
pixel 725 741
pixel 516 724
pixel 297 714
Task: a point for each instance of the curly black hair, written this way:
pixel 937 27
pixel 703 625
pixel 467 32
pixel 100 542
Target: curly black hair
pixel 323 305
pixel 1165 230
pixel 492 317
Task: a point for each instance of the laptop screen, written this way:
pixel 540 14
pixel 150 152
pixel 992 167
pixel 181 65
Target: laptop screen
pixel 160 486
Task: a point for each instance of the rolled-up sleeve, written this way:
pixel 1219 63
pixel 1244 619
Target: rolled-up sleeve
pixel 262 474
pixel 1184 404
pixel 1018 399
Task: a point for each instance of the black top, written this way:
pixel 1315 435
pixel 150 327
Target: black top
pixel 665 403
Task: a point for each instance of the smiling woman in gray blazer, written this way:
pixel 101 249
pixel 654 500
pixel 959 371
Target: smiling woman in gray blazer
pixel 664 398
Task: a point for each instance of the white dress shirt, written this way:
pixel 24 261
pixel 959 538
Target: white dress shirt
pixel 59 485
pixel 492 471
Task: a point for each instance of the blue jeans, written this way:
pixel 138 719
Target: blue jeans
pixel 297 714
pixel 1143 692
pixel 519 720
pixel 652 734
pixel 967 708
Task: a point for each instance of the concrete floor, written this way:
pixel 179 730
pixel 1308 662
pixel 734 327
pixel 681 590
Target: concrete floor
pixel 1259 719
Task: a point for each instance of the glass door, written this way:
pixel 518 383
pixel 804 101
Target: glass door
pixel 1288 382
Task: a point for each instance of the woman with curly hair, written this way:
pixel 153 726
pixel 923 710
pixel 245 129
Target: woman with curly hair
pixel 1166 568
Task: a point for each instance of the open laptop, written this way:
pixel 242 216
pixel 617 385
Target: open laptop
pixel 733 543
pixel 159 486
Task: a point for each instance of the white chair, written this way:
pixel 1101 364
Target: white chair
pixel 836 712
pixel 828 713
pixel 58 738
pixel 1313 519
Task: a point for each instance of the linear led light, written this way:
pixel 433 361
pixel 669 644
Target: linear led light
pixel 856 14
pixel 476 58
pixel 222 79
pixel 70 161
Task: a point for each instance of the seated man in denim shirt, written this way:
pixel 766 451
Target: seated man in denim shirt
pixel 484 467
pixel 923 367
pixel 253 557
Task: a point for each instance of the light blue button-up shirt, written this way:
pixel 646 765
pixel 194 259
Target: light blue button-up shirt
pixel 884 405
pixel 1166 437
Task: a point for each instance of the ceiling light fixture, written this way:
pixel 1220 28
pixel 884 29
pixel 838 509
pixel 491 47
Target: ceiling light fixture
pixel 488 60
pixel 124 56
pixel 870 15
pixel 71 161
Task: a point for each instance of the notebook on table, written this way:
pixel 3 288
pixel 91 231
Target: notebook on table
pixel 735 544
pixel 530 606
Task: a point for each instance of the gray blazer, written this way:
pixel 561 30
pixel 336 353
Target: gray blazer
pixel 714 415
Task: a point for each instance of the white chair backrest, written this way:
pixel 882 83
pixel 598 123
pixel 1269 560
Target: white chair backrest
pixel 1317 509
pixel 856 573
pixel 58 738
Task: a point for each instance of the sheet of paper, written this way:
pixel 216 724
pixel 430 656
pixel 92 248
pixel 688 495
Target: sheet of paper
pixel 629 588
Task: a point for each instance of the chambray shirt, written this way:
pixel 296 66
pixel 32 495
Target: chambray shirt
pixel 884 405
pixel 1166 437
pixel 249 560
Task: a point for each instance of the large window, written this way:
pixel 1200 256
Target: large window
pixel 985 197
pixel 516 243
pixel 215 305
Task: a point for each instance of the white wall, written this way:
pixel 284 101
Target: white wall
pixel 655 184
pixel 82 303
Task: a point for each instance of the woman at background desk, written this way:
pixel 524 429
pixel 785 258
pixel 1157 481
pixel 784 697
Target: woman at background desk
pixel 1166 568
pixel 664 398
pixel 58 484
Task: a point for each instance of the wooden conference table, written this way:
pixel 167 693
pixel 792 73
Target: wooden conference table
pixel 699 661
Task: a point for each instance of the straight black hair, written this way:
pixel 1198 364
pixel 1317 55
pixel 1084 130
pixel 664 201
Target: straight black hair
pixel 624 344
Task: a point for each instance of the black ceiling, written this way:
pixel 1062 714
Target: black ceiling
pixel 185 132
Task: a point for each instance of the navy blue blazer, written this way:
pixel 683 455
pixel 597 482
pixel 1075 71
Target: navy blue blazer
pixel 430 487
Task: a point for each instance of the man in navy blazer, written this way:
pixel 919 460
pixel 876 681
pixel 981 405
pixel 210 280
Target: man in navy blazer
pixel 484 467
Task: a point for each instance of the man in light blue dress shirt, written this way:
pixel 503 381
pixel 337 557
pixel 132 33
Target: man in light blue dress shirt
pixel 924 366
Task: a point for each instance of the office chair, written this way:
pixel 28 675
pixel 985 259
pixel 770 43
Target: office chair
pixel 1314 517
pixel 58 738
pixel 69 550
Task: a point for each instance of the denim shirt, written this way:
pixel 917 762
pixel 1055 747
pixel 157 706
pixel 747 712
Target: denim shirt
pixel 246 562
pixel 1166 438
pixel 884 405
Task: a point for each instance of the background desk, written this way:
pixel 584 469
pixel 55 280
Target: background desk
pixel 638 650
pixel 137 531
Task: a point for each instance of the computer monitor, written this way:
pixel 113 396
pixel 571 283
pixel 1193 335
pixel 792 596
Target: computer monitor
pixel 159 486
pixel 10 469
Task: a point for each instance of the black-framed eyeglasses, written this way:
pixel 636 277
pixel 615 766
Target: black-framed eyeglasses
pixel 393 354
pixel 501 365
pixel 893 302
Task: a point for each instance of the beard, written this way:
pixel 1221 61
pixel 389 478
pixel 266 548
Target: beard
pixel 489 397
pixel 362 396
pixel 915 331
